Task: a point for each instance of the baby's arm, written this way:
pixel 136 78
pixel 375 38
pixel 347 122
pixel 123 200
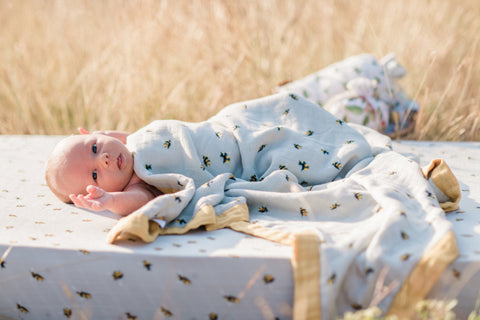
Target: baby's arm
pixel 123 202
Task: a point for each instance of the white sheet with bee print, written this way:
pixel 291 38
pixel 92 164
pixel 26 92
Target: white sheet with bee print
pixel 297 167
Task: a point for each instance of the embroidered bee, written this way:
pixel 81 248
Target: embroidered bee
pixel 279 128
pixel 405 257
pixel 206 161
pixel 429 194
pixel 116 275
pixel 261 147
pixel 303 212
pixel 67 312
pixel 166 312
pixel 357 306
pixel 303 164
pixel 340 122
pixel 180 184
pixel 369 271
pixel 232 299
pixel 293 96
pixel 391 173
pixel 130 316
pixel 2 263
pixel 84 251
pixel 235 127
pixel 334 206
pixel 402 213
pixel 37 277
pixel 404 235
pixel 297 146
pixel 218 134
pixel 457 274
pixel 358 196
pixel 213 316
pixel 147 264
pixel 177 198
pixel 83 294
pixel 282 167
pixel 337 165
pixel 286 112
pixel 349 141
pixel 253 178
pixel 263 209
pixel 167 144
pixel 332 278
pixel 181 221
pixel 304 183
pixel 309 132
pixel 232 177
pixel 22 309
pixel 202 167
pixel 244 107
pixel 185 280
pixel 268 278
pixel 148 166
pixel 324 151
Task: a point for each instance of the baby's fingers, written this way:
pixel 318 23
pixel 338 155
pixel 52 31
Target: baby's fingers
pixel 83 131
pixel 95 192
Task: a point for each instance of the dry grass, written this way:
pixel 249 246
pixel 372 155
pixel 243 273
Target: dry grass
pixel 120 64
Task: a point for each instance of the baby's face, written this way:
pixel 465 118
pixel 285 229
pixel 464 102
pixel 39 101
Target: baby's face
pixel 93 159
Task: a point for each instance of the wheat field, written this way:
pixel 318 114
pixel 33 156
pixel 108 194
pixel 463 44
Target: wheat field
pixel 121 64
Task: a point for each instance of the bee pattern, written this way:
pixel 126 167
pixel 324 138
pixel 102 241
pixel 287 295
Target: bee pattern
pixel 429 194
pixel 456 273
pixel 85 252
pixel 297 146
pixel 324 151
pixel 213 316
pixel 405 257
pixel 253 178
pixel 340 122
pixel 332 278
pixel 293 96
pixel 357 195
pixel 304 183
pixel 67 312
pixel 116 275
pixel 303 164
pixel 391 173
pixel 357 306
pixel 263 209
pixel 206 161
pixel 334 206
pixel 177 198
pixel 166 312
pixel 183 279
pixel 22 309
pixel 282 167
pixel 268 278
pixel 286 112
pixel 244 107
pixel 261 147
pixel 309 132
pixel 303 212
pixel 235 127
pixel 232 177
pixel 147 265
pixel 337 165
pixel 37 277
pixel 167 144
pixel 232 299
pixel 369 271
pixel 130 316
pixel 218 134
pixel 225 157
pixel 148 166
pixel 279 128
pixel 404 235
pixel 181 221
pixel 83 294
pixel 349 141
pixel 287 177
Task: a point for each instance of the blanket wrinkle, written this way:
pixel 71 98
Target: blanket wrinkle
pixel 279 167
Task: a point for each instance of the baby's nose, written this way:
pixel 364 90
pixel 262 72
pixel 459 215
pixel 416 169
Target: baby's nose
pixel 105 160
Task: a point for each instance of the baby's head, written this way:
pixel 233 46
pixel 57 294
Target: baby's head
pixel 93 159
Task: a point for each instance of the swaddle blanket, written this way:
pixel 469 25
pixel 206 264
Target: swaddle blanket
pixel 282 168
pixel 361 90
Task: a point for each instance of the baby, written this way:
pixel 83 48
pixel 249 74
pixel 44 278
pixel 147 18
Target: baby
pixel 95 171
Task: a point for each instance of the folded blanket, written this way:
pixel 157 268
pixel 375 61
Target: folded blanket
pixel 284 169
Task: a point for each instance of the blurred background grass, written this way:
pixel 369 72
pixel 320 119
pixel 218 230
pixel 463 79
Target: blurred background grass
pixel 121 64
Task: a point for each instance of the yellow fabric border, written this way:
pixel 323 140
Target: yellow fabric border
pixel 441 175
pixel 234 214
pixel 283 237
pixel 424 276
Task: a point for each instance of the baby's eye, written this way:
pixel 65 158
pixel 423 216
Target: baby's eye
pixel 94 148
pixel 94 175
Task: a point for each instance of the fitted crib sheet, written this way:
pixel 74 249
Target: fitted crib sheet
pixel 55 262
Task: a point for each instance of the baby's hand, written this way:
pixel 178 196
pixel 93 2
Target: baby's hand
pixel 97 199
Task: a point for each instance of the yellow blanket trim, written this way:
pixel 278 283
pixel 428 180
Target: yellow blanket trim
pixel 424 276
pixel 283 237
pixel 441 175
pixel 234 214
pixel 306 274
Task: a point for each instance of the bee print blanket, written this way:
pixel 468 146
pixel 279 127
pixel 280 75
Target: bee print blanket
pixel 365 223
